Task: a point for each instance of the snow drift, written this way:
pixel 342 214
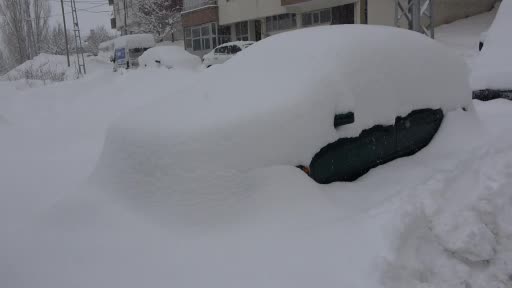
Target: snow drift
pixel 44 67
pixel 493 67
pixel 280 111
pixel 169 57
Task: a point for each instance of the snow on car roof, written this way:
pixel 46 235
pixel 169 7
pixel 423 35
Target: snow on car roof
pixel 135 41
pixel 493 67
pixel 107 45
pixel 275 103
pixel 243 44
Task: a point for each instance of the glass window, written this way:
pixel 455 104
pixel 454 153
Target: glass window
pixel 307 19
pixel 221 50
pixel 188 43
pixel 268 23
pixel 235 49
pixel 325 16
pixel 214 29
pixel 196 32
pixel 187 33
pixel 196 44
pixel 206 43
pixel 205 31
pixel 214 42
pixel 275 23
pixel 316 18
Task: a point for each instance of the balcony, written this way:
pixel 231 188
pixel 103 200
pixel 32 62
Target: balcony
pixel 197 4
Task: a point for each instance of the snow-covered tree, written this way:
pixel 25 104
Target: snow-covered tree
pixel 56 43
pixel 96 37
pixel 4 64
pixel 159 17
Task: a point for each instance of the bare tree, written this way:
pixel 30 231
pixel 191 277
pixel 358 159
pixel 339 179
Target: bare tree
pixel 4 64
pixel 24 26
pixel 96 37
pixel 159 17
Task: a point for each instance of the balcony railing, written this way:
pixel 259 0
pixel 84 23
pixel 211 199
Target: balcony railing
pixel 195 4
pixel 291 2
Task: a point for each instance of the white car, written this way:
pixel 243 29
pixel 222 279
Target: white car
pixel 224 52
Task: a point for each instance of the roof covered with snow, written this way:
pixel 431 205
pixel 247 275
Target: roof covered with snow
pixel 135 41
pixel 493 67
pixel 107 45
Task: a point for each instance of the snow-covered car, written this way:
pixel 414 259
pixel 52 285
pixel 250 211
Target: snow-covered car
pixel 341 110
pixel 224 52
pixel 169 57
pixel 491 76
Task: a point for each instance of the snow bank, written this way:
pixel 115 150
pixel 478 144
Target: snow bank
pixel 45 67
pixel 169 57
pixel 278 111
pixel 135 41
pixel 493 67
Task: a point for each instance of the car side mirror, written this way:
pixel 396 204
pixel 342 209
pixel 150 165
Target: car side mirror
pixel 343 119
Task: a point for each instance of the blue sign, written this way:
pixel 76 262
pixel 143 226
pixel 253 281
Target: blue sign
pixel 120 56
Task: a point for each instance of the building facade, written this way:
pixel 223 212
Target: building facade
pixel 208 23
pixel 123 17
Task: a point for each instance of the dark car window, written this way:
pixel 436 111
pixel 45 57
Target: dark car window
pixel 221 50
pixel 235 49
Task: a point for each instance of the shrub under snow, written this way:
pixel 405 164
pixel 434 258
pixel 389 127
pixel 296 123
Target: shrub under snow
pixel 44 67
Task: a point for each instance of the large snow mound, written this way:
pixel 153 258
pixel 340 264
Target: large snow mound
pixel 279 110
pixel 169 57
pixel 45 67
pixel 493 67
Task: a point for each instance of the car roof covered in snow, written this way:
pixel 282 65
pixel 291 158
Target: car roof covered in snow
pixel 275 104
pixel 493 67
pixel 243 44
pixel 135 41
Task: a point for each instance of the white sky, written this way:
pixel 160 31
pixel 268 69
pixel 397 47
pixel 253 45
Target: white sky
pixel 91 13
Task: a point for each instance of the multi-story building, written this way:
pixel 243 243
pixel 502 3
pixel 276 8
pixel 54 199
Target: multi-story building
pixel 124 19
pixel 208 23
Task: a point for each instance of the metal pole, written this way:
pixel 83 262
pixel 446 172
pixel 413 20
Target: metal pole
pixel 125 12
pixel 65 31
pixel 416 16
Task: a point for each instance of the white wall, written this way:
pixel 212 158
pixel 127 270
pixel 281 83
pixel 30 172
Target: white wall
pixel 238 10
pixel 382 12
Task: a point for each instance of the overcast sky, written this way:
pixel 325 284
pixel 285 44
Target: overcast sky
pixel 91 13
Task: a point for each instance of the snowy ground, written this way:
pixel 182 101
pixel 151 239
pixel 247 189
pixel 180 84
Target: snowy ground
pixel 440 218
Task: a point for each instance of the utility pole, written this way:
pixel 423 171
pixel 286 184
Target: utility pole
pixel 125 17
pixel 65 31
pixel 78 40
pixel 418 15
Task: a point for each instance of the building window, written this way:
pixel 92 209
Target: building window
pixel 224 34
pixel 281 22
pixel 242 31
pixel 317 17
pixel 204 37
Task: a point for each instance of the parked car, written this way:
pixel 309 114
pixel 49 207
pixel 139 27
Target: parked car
pixel 128 49
pixel 170 57
pixel 306 98
pixel 224 52
pixel 491 76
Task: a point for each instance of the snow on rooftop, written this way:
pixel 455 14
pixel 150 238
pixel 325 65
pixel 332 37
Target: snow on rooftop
pixel 135 41
pixel 107 45
pixel 274 104
pixel 493 67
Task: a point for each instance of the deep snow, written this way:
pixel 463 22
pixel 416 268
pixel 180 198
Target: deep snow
pixel 493 67
pixel 420 221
